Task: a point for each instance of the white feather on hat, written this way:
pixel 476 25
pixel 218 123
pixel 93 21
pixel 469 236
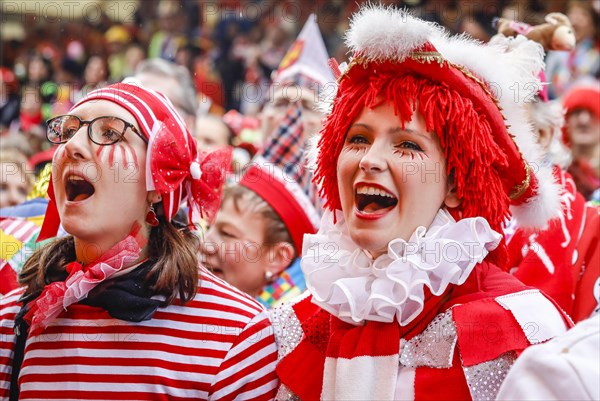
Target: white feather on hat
pixel 509 67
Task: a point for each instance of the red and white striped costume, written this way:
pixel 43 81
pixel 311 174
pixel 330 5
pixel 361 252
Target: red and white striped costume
pixel 219 346
pixel 460 347
pixel 562 260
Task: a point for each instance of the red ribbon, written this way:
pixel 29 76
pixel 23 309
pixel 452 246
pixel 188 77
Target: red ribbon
pixel 172 168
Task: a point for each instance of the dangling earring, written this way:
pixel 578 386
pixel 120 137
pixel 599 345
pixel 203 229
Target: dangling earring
pixel 151 217
pixel 269 276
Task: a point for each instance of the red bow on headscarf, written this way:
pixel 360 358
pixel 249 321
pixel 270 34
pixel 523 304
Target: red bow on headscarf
pixel 178 171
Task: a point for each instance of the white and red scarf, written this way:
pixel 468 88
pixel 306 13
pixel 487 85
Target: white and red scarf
pixel 352 323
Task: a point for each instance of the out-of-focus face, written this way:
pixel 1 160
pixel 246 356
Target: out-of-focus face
pixel 211 134
pixel 233 248
pixel 100 190
pixel 13 185
pixel 582 21
pixel 37 70
pixel 583 128
pixel 275 110
pixel 391 180
pixel 95 71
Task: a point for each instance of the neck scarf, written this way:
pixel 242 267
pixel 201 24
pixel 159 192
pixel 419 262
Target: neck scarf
pixel 408 285
pixel 58 295
pixel 345 281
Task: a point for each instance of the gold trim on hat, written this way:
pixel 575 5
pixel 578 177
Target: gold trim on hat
pixel 518 190
pixel 428 57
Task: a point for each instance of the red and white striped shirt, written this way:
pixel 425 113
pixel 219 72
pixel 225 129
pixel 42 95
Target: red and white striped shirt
pixel 219 346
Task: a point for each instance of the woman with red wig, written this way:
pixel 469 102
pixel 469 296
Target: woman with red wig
pixel 423 156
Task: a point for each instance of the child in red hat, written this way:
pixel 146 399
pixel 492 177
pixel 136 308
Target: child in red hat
pixel 120 308
pixel 424 151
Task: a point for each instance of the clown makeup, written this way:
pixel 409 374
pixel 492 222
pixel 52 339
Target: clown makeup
pixel 98 204
pixel 391 178
pixel 119 156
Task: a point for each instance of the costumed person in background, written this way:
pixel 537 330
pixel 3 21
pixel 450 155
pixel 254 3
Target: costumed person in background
pixel 418 170
pixel 20 225
pixel 582 135
pixel 256 238
pixel 560 259
pixel 121 308
pixel 15 183
pixel 290 117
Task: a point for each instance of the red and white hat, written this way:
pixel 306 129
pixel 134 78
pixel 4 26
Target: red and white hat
pixel 283 193
pixel 173 166
pixel 472 95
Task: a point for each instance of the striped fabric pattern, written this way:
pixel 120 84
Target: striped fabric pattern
pixel 219 346
pixel 17 242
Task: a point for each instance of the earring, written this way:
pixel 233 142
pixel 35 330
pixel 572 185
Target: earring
pixel 151 217
pixel 269 276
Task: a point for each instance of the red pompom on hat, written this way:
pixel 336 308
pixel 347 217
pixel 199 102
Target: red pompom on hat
pixel 173 166
pixel 472 95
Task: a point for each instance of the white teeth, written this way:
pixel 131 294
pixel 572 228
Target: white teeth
pixel 76 178
pixel 366 190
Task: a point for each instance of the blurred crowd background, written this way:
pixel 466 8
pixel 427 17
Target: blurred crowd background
pixel 219 56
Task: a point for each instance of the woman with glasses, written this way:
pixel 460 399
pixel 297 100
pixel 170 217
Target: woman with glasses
pixel 120 309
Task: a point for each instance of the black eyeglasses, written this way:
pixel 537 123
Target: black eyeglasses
pixel 105 130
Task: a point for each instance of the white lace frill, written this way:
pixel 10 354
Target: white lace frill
pixel 348 283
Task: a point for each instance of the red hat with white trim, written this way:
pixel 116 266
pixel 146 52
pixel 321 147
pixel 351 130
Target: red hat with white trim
pixel 471 94
pixel 173 166
pixel 284 195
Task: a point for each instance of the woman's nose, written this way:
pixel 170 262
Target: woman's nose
pixel 78 147
pixel 374 160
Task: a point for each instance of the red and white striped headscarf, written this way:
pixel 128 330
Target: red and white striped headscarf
pixel 173 166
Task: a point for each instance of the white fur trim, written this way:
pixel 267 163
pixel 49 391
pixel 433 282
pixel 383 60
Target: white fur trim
pixel 544 206
pixel 387 33
pixel 537 316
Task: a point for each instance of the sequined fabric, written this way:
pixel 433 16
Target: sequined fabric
pixel 287 329
pixel 484 380
pixel 285 394
pixel 434 347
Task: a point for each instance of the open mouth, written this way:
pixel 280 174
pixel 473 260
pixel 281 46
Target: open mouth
pixel 78 189
pixel 372 200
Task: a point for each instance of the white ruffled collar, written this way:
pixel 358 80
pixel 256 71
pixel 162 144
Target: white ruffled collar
pixel 344 279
